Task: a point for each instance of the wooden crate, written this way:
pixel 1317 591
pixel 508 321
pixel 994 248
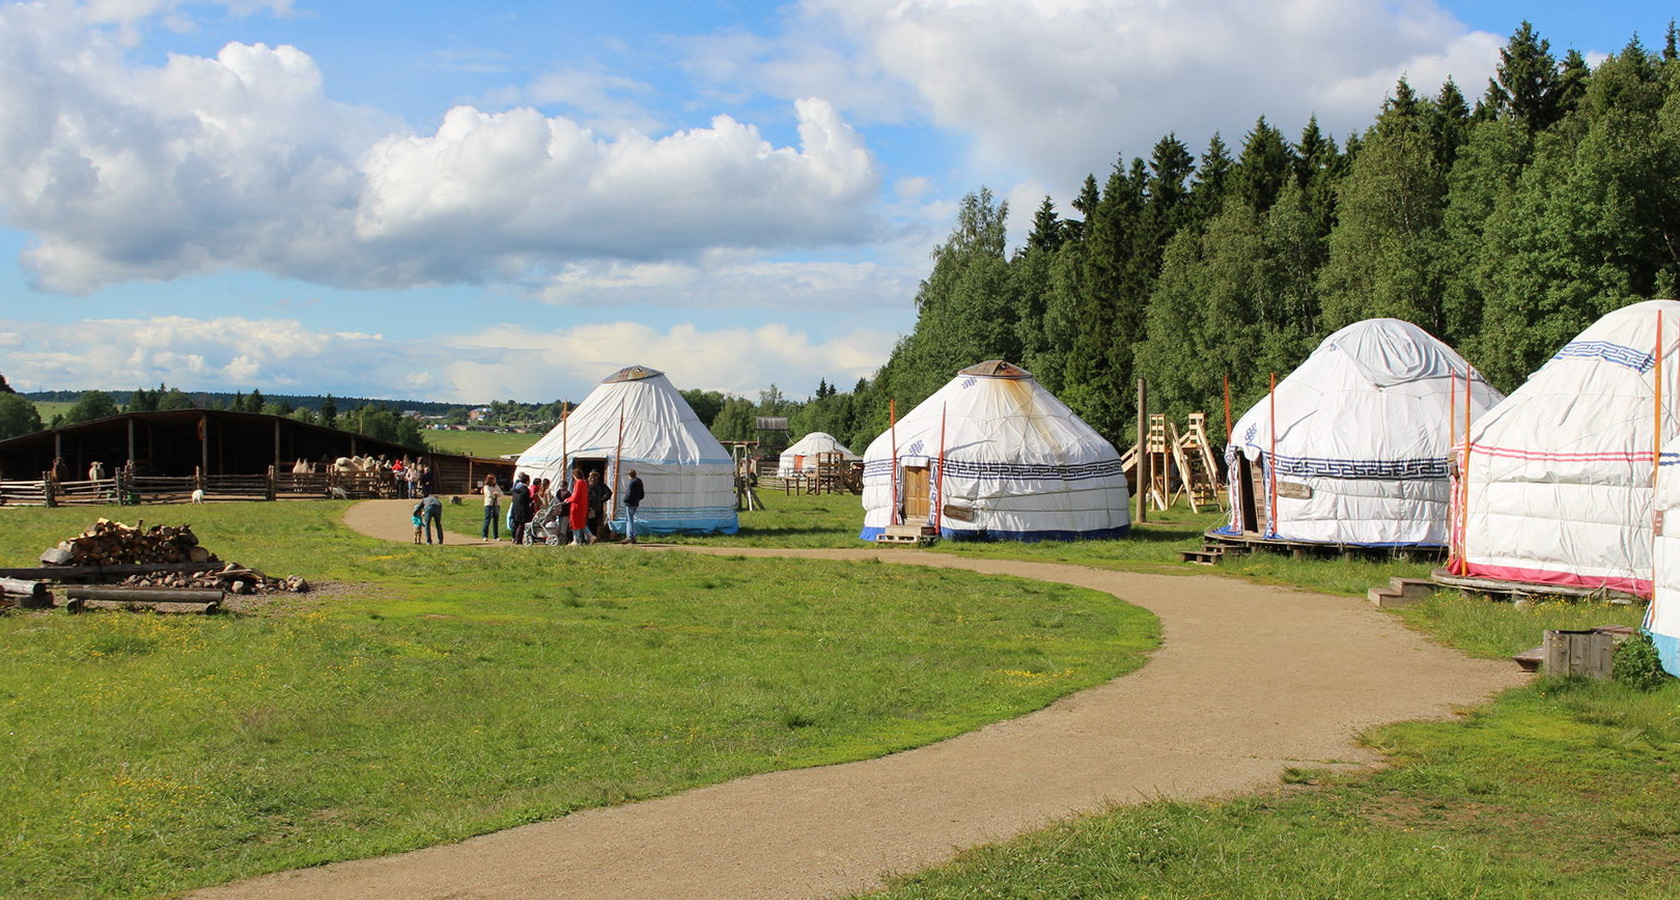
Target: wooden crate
pixel 1586 653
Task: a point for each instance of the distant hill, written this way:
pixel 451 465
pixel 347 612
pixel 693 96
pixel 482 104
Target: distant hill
pixel 206 399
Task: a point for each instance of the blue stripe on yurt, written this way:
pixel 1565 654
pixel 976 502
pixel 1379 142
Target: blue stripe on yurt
pixel 1362 469
pixel 1637 360
pixel 955 468
pixel 1027 537
pixel 1668 650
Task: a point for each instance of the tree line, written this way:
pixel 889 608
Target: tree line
pixel 1503 228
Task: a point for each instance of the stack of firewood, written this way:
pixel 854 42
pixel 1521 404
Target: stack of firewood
pixel 110 543
pixel 231 578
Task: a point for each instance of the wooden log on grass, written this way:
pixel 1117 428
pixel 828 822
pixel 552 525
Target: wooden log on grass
pixel 93 592
pixel 157 606
pixel 22 588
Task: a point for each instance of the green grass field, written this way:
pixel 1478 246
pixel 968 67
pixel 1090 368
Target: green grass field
pixel 50 408
pixel 427 697
pixel 430 696
pixel 485 444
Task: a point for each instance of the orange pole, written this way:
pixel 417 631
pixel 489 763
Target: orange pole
pixel 1227 409
pixel 939 513
pixel 565 419
pixel 1271 458
pixel 892 424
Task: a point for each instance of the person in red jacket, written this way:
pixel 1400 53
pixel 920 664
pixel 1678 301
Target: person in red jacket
pixel 579 520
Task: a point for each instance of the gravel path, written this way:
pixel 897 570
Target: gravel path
pixel 1248 681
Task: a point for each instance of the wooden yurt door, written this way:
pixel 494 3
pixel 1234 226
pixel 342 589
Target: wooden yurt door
pixel 915 495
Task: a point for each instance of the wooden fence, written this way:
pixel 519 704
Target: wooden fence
pixel 127 489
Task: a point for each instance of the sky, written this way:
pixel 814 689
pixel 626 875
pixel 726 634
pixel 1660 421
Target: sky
pixel 512 200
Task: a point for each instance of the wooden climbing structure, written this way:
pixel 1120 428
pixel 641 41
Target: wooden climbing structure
pixel 1180 464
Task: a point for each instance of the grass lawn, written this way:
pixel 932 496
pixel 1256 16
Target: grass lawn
pixel 430 696
pixel 484 444
pixel 442 695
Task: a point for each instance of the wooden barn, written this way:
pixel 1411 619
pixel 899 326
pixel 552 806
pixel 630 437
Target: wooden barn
pixel 160 456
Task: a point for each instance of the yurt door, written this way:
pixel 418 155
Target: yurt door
pixel 915 495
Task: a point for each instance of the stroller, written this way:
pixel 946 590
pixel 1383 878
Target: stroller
pixel 550 527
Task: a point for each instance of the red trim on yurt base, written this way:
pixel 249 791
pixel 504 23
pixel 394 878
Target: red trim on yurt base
pixel 1639 587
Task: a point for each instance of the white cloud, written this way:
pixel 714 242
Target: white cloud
pixel 126 172
pixel 517 185
pixel 733 360
pixel 604 102
pixel 722 282
pixel 1054 89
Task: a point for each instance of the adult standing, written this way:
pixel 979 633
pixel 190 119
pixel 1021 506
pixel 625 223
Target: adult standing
pixel 579 520
pixel 492 509
pixel 599 494
pixel 431 510
pixel 519 510
pixel 428 481
pixel 633 494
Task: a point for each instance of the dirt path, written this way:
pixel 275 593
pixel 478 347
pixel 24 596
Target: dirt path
pixel 1249 680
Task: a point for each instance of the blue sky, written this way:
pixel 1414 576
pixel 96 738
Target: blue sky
pixel 511 200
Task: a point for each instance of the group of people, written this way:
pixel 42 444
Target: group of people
pixel 413 480
pixel 582 507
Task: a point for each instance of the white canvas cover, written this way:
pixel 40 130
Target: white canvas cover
pixel 1018 464
pixel 1662 619
pixel 636 420
pixel 1362 438
pixel 802 456
pixel 1559 479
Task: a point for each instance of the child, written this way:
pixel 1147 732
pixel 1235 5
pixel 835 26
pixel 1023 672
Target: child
pixel 419 523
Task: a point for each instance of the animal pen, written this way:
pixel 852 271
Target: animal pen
pixel 163 457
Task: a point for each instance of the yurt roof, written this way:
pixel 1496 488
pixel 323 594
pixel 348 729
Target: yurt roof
pixel 996 368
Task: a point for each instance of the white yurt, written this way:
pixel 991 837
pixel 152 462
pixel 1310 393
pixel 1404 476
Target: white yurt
pixel 1359 435
pixel 1558 484
pixel 802 456
pixel 993 455
pixel 636 420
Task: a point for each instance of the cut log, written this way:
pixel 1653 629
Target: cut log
pixel 22 588
pixel 145 595
pixel 57 556
pixel 157 606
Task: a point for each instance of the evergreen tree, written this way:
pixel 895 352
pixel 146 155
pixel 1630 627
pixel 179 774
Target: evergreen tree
pixel 1383 250
pixel 1213 176
pixel 1266 162
pixel 1526 85
pixel 329 412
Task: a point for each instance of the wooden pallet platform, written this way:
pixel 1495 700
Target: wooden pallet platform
pixel 1250 542
pixel 913 535
pixel 1519 590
